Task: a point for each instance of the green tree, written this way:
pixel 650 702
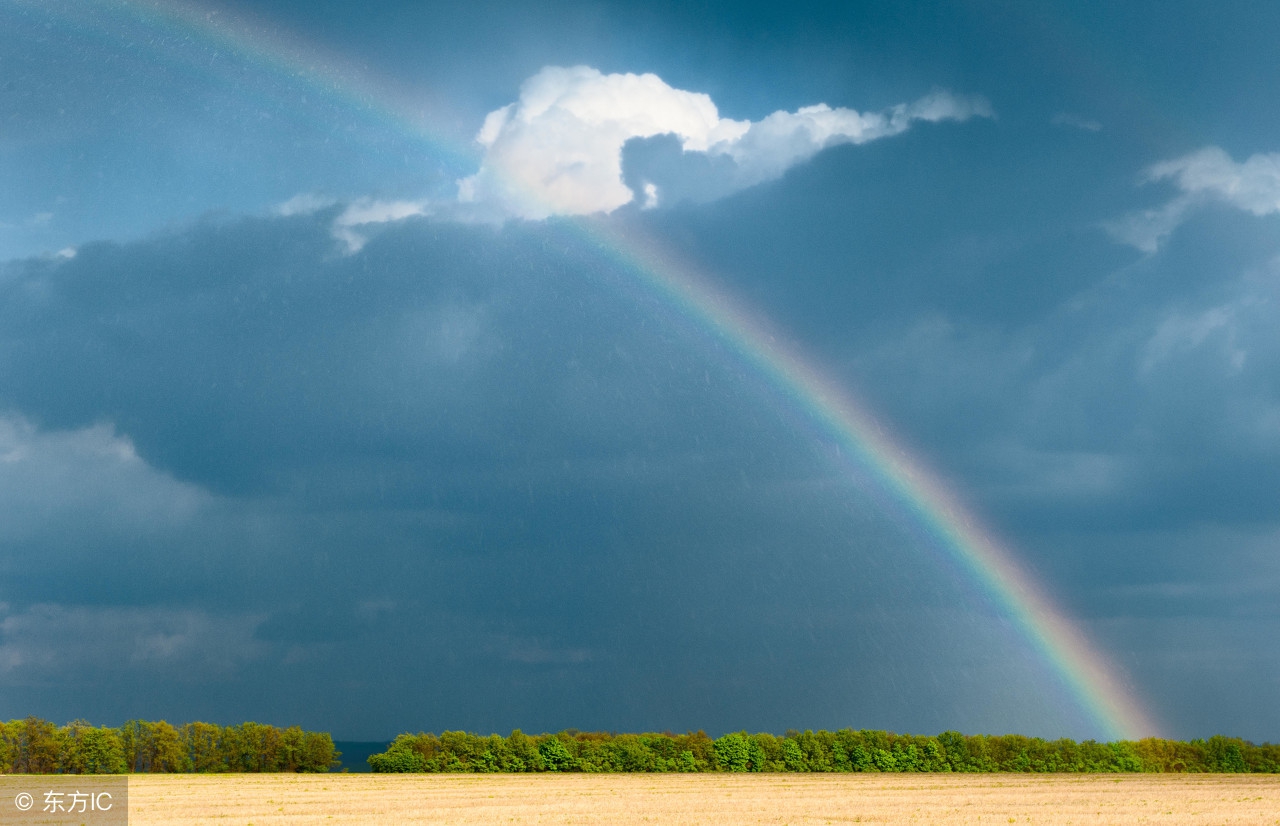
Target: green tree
pixel 36 746
pixel 89 750
pixel 203 743
pixel 556 757
pixel 401 760
pixel 1226 754
pixel 739 752
pixel 319 754
pixel 523 753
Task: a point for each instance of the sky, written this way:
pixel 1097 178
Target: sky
pixel 399 367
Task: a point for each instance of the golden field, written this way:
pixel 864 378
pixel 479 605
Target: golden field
pixel 731 800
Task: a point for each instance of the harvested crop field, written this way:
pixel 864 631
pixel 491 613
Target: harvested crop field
pixel 264 800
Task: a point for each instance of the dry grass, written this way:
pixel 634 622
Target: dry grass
pixel 619 800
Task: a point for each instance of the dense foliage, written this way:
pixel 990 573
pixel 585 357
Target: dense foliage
pixel 813 751
pixel 35 746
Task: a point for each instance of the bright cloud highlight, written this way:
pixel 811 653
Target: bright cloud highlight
pixel 558 150
pixel 352 226
pixel 1208 174
pixel 1253 186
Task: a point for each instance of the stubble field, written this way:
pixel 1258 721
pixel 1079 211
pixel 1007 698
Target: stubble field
pixel 619 800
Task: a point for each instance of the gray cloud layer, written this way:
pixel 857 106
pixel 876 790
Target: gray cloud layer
pixel 474 459
pixel 461 458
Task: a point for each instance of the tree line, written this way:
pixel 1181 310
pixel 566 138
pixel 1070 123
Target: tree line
pixel 845 750
pixel 36 746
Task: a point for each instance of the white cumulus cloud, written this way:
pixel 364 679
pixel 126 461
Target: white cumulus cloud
pixel 558 150
pixel 353 225
pixel 1147 229
pixel 1206 175
pixel 1253 186
pixel 304 203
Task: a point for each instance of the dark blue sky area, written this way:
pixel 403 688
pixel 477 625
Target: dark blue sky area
pixel 316 409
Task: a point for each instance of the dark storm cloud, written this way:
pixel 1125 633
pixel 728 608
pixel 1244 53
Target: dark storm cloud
pixel 474 458
pixel 471 476
pixel 1050 367
pixel 1111 410
pixel 466 458
pixel 255 336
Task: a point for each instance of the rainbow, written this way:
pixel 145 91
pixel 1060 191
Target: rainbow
pixel 903 478
pixel 907 481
